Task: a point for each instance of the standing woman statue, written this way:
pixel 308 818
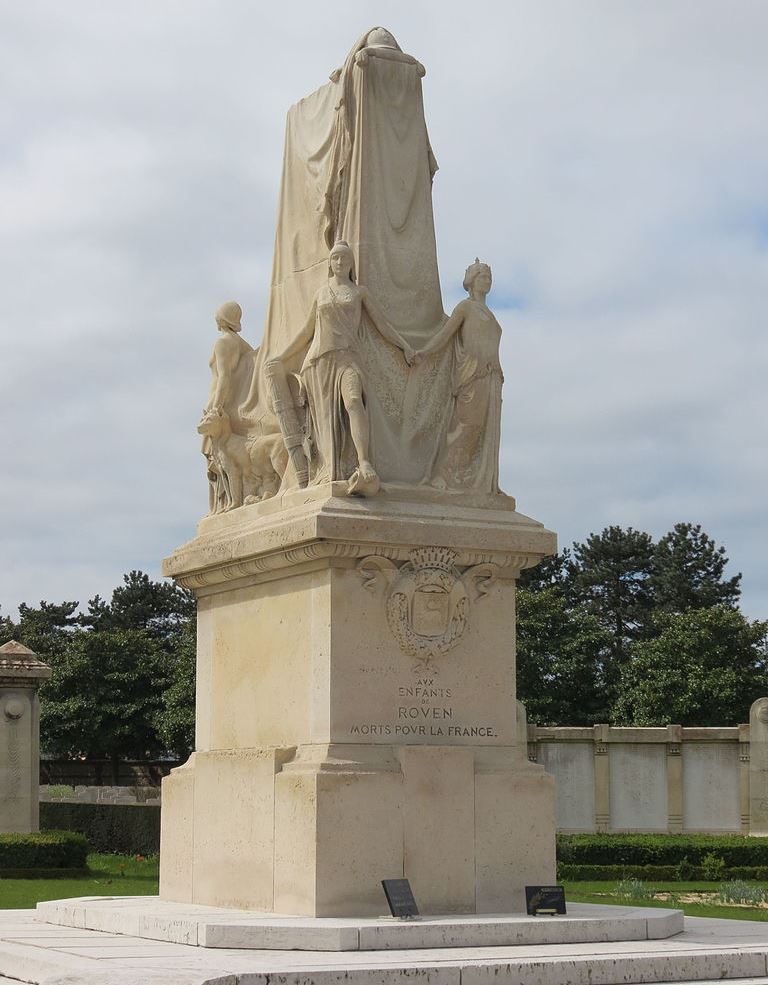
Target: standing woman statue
pixel 332 376
pixel 469 456
pixel 231 366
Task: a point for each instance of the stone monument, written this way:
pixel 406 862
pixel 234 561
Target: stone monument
pixel 20 676
pixel 758 767
pixel 355 575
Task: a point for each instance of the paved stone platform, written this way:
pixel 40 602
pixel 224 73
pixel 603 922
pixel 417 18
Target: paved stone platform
pixel 706 951
pixel 208 926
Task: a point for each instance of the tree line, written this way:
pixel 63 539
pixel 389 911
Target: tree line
pixel 123 684
pixel 619 628
pixel 632 631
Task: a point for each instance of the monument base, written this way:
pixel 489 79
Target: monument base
pixel 205 926
pixel 356 716
pixel 315 836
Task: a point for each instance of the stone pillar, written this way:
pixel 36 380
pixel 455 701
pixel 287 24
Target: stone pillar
pixel 602 778
pixel 743 734
pixel 674 779
pixel 356 714
pixel 20 676
pixel 758 767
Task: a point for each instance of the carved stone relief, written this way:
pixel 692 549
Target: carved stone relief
pixel 427 599
pixel 361 377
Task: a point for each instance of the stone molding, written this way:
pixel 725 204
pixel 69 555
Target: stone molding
pixel 333 533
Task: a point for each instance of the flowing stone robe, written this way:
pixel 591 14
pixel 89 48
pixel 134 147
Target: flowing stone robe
pixel 358 166
pixel 469 457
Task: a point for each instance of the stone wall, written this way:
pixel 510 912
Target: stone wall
pixel 671 779
pixel 63 794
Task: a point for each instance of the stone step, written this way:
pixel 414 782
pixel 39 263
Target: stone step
pixel 216 927
pixel 27 964
pixel 707 951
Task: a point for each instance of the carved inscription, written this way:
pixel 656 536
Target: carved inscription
pixel 423 711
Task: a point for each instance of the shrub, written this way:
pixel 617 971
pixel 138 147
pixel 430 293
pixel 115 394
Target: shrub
pixel 661 849
pixel 684 870
pixel 127 829
pixel 60 790
pixel 601 873
pixel 712 867
pixel 657 873
pixel 633 889
pixel 737 891
pixel 23 853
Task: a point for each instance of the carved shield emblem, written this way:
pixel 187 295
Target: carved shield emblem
pixel 430 611
pixel 427 604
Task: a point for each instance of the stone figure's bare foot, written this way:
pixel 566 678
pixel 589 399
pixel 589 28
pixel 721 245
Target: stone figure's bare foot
pixel 367 471
pixel 364 481
pixel 438 483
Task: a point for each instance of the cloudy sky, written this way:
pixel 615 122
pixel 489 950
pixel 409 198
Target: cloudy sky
pixel 610 159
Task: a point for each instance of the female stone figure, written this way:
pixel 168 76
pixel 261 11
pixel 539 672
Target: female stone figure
pixel 227 359
pixel 469 456
pixel 231 365
pixel 332 377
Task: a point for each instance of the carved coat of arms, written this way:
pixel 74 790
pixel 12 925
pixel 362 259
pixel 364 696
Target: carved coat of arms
pixel 427 598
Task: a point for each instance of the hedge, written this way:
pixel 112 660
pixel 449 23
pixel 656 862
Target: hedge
pixel 656 873
pixel 126 829
pixel 42 850
pixel 623 850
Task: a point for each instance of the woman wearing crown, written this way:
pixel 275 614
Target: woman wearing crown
pixel 469 455
pixel 332 377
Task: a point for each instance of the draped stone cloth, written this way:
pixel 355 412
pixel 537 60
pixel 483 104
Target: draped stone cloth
pixel 358 166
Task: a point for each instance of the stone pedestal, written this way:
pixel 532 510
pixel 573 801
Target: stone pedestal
pixel 20 676
pixel 356 714
pixel 758 767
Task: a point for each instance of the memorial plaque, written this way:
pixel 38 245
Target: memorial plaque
pixel 400 898
pixel 541 900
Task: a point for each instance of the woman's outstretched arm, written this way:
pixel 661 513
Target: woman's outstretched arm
pixel 382 325
pixel 446 333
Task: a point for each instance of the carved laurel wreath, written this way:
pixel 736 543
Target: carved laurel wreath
pixel 433 570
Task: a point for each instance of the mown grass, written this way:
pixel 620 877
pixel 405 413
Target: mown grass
pixel 602 892
pixel 109 875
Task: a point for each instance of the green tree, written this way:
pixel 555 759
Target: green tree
pixel 610 573
pixel 687 572
pixel 176 718
pixel 46 630
pixel 7 629
pixel 702 667
pixel 560 657
pixel 554 571
pixel 105 697
pixel 159 607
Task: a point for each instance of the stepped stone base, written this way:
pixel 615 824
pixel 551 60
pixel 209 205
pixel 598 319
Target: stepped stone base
pixel 207 926
pixel 707 951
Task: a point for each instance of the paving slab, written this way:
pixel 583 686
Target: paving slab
pixel 705 952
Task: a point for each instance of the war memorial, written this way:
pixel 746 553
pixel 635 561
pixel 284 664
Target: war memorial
pixel 355 575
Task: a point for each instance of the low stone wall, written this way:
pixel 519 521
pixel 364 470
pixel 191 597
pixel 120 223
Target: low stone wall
pixel 671 779
pixel 63 794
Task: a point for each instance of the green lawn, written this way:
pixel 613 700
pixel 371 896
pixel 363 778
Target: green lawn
pixel 124 875
pixel 110 875
pixel 600 892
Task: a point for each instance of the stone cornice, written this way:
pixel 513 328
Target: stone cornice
pixel 248 543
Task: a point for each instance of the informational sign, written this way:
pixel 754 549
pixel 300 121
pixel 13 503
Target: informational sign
pixel 541 900
pixel 400 898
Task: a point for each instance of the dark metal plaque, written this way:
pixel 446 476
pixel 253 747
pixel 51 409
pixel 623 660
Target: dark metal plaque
pixel 540 900
pixel 400 898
